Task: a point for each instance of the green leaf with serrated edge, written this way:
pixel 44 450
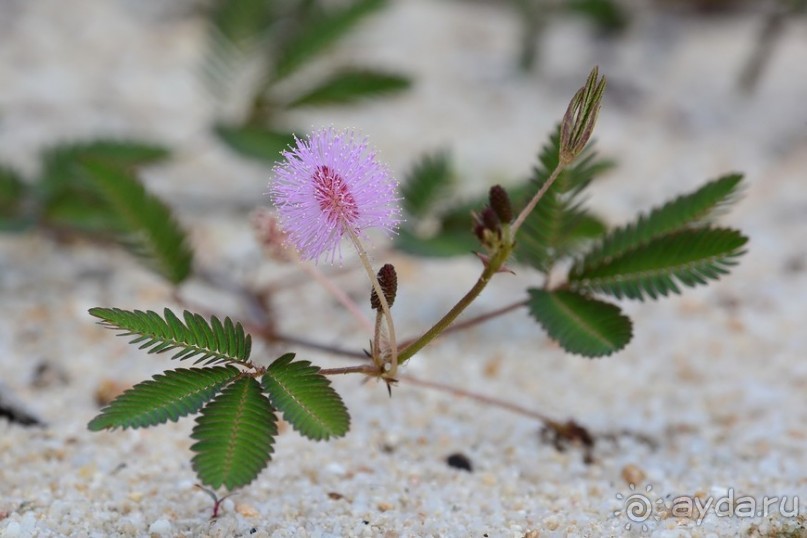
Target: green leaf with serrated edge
pixel 168 396
pixel 155 233
pixel 235 434
pixel 548 233
pixel 193 339
pixel 319 32
pixel 351 85
pixel 255 142
pixel 580 324
pixel 426 183
pixel 685 211
pixel 306 398
pixel 689 257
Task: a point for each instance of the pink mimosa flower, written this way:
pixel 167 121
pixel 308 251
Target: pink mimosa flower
pixel 330 184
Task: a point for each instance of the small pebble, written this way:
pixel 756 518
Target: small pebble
pixel 632 474
pixel 246 510
pixel 161 527
pixel 13 529
pixel 460 461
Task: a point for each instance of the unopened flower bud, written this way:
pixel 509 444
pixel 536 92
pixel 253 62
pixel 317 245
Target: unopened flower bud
pixel 581 116
pixel 500 203
pixel 388 280
pixel 490 220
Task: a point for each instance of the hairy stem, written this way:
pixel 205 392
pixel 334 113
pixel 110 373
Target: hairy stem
pixel 492 266
pixel 362 369
pixel 476 320
pixel 562 164
pixel 488 400
pixel 371 274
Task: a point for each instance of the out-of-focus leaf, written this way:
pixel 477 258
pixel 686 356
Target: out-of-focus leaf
pixel 352 85
pixel 319 32
pixel 68 199
pixel 254 142
pixel 152 228
pixel 608 15
pixel 443 244
pixel 13 192
pixel 428 180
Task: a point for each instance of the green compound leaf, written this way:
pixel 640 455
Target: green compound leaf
pixel 168 396
pixel 153 231
pixel 320 32
pixel 686 211
pixel 428 180
pixel 559 225
pixel 351 85
pixel 580 324
pixel 207 343
pixel 306 398
pixel 235 434
pixel 689 257
pixel 255 142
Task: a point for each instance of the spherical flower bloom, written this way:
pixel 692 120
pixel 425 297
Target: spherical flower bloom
pixel 329 185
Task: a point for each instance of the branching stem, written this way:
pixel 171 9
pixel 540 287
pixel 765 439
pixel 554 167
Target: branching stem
pixel 492 266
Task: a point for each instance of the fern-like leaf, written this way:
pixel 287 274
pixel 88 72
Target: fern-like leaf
pixel 689 257
pixel 686 211
pixel 255 142
pixel 351 85
pixel 208 343
pixel 557 225
pixel 167 396
pixel 428 180
pixel 306 398
pixel 153 230
pixel 580 324
pixel 235 434
pixel 319 32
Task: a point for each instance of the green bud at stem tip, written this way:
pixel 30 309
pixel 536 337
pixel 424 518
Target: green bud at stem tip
pixel 581 117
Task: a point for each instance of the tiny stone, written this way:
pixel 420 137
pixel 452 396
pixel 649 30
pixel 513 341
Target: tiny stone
pixel 632 474
pixel 459 461
pixel 107 390
pixel 13 530
pixel 161 527
pixel 246 510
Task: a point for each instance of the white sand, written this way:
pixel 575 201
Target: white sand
pixel 716 378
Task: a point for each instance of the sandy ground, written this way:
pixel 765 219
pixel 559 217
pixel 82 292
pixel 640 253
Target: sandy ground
pixel 706 402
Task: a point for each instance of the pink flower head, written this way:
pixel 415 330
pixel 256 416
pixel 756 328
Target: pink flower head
pixel 329 184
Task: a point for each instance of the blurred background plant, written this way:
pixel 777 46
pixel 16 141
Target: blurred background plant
pixel 262 49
